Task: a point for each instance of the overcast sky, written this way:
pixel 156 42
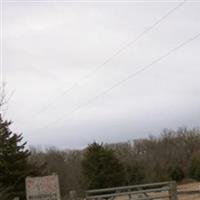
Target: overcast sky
pixel 52 51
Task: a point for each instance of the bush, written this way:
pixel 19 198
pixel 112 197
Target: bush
pixel 134 173
pixel 195 166
pixel 176 173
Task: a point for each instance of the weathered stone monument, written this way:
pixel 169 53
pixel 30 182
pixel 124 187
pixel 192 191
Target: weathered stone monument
pixel 42 188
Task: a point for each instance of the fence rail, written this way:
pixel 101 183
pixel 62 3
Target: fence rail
pixel 163 190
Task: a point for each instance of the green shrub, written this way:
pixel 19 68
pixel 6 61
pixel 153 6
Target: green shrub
pixel 195 166
pixel 176 173
pixel 101 168
pixel 134 174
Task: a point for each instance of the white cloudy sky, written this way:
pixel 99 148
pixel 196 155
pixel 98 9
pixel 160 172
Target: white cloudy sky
pixel 51 47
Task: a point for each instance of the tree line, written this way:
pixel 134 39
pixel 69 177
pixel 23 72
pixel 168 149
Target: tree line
pixel 173 155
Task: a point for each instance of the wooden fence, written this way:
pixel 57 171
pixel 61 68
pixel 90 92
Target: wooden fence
pixel 159 191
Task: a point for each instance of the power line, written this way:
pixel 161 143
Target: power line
pixel 119 83
pixel 116 53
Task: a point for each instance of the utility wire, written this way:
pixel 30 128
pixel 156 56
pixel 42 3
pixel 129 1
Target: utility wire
pixel 116 53
pixel 119 83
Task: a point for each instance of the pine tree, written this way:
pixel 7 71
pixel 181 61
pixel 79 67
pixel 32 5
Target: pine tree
pixel 101 168
pixel 14 165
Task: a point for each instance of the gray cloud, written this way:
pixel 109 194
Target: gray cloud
pixel 49 48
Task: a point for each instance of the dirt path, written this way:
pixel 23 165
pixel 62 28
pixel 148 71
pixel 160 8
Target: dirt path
pixel 189 187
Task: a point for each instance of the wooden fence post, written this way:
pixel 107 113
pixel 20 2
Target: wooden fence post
pixel 172 191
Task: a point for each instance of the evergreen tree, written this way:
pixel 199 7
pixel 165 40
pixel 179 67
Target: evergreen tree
pixel 101 168
pixel 14 165
pixel 195 166
pixel 176 173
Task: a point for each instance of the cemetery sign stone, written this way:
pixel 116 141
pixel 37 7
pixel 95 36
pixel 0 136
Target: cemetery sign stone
pixel 42 188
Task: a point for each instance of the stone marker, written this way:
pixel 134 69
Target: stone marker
pixel 42 188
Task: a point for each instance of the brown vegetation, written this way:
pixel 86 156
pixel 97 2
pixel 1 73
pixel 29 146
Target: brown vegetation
pixel 155 159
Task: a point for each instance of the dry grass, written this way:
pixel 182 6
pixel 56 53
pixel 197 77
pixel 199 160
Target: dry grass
pixel 183 187
pixel 189 197
pixel 189 187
